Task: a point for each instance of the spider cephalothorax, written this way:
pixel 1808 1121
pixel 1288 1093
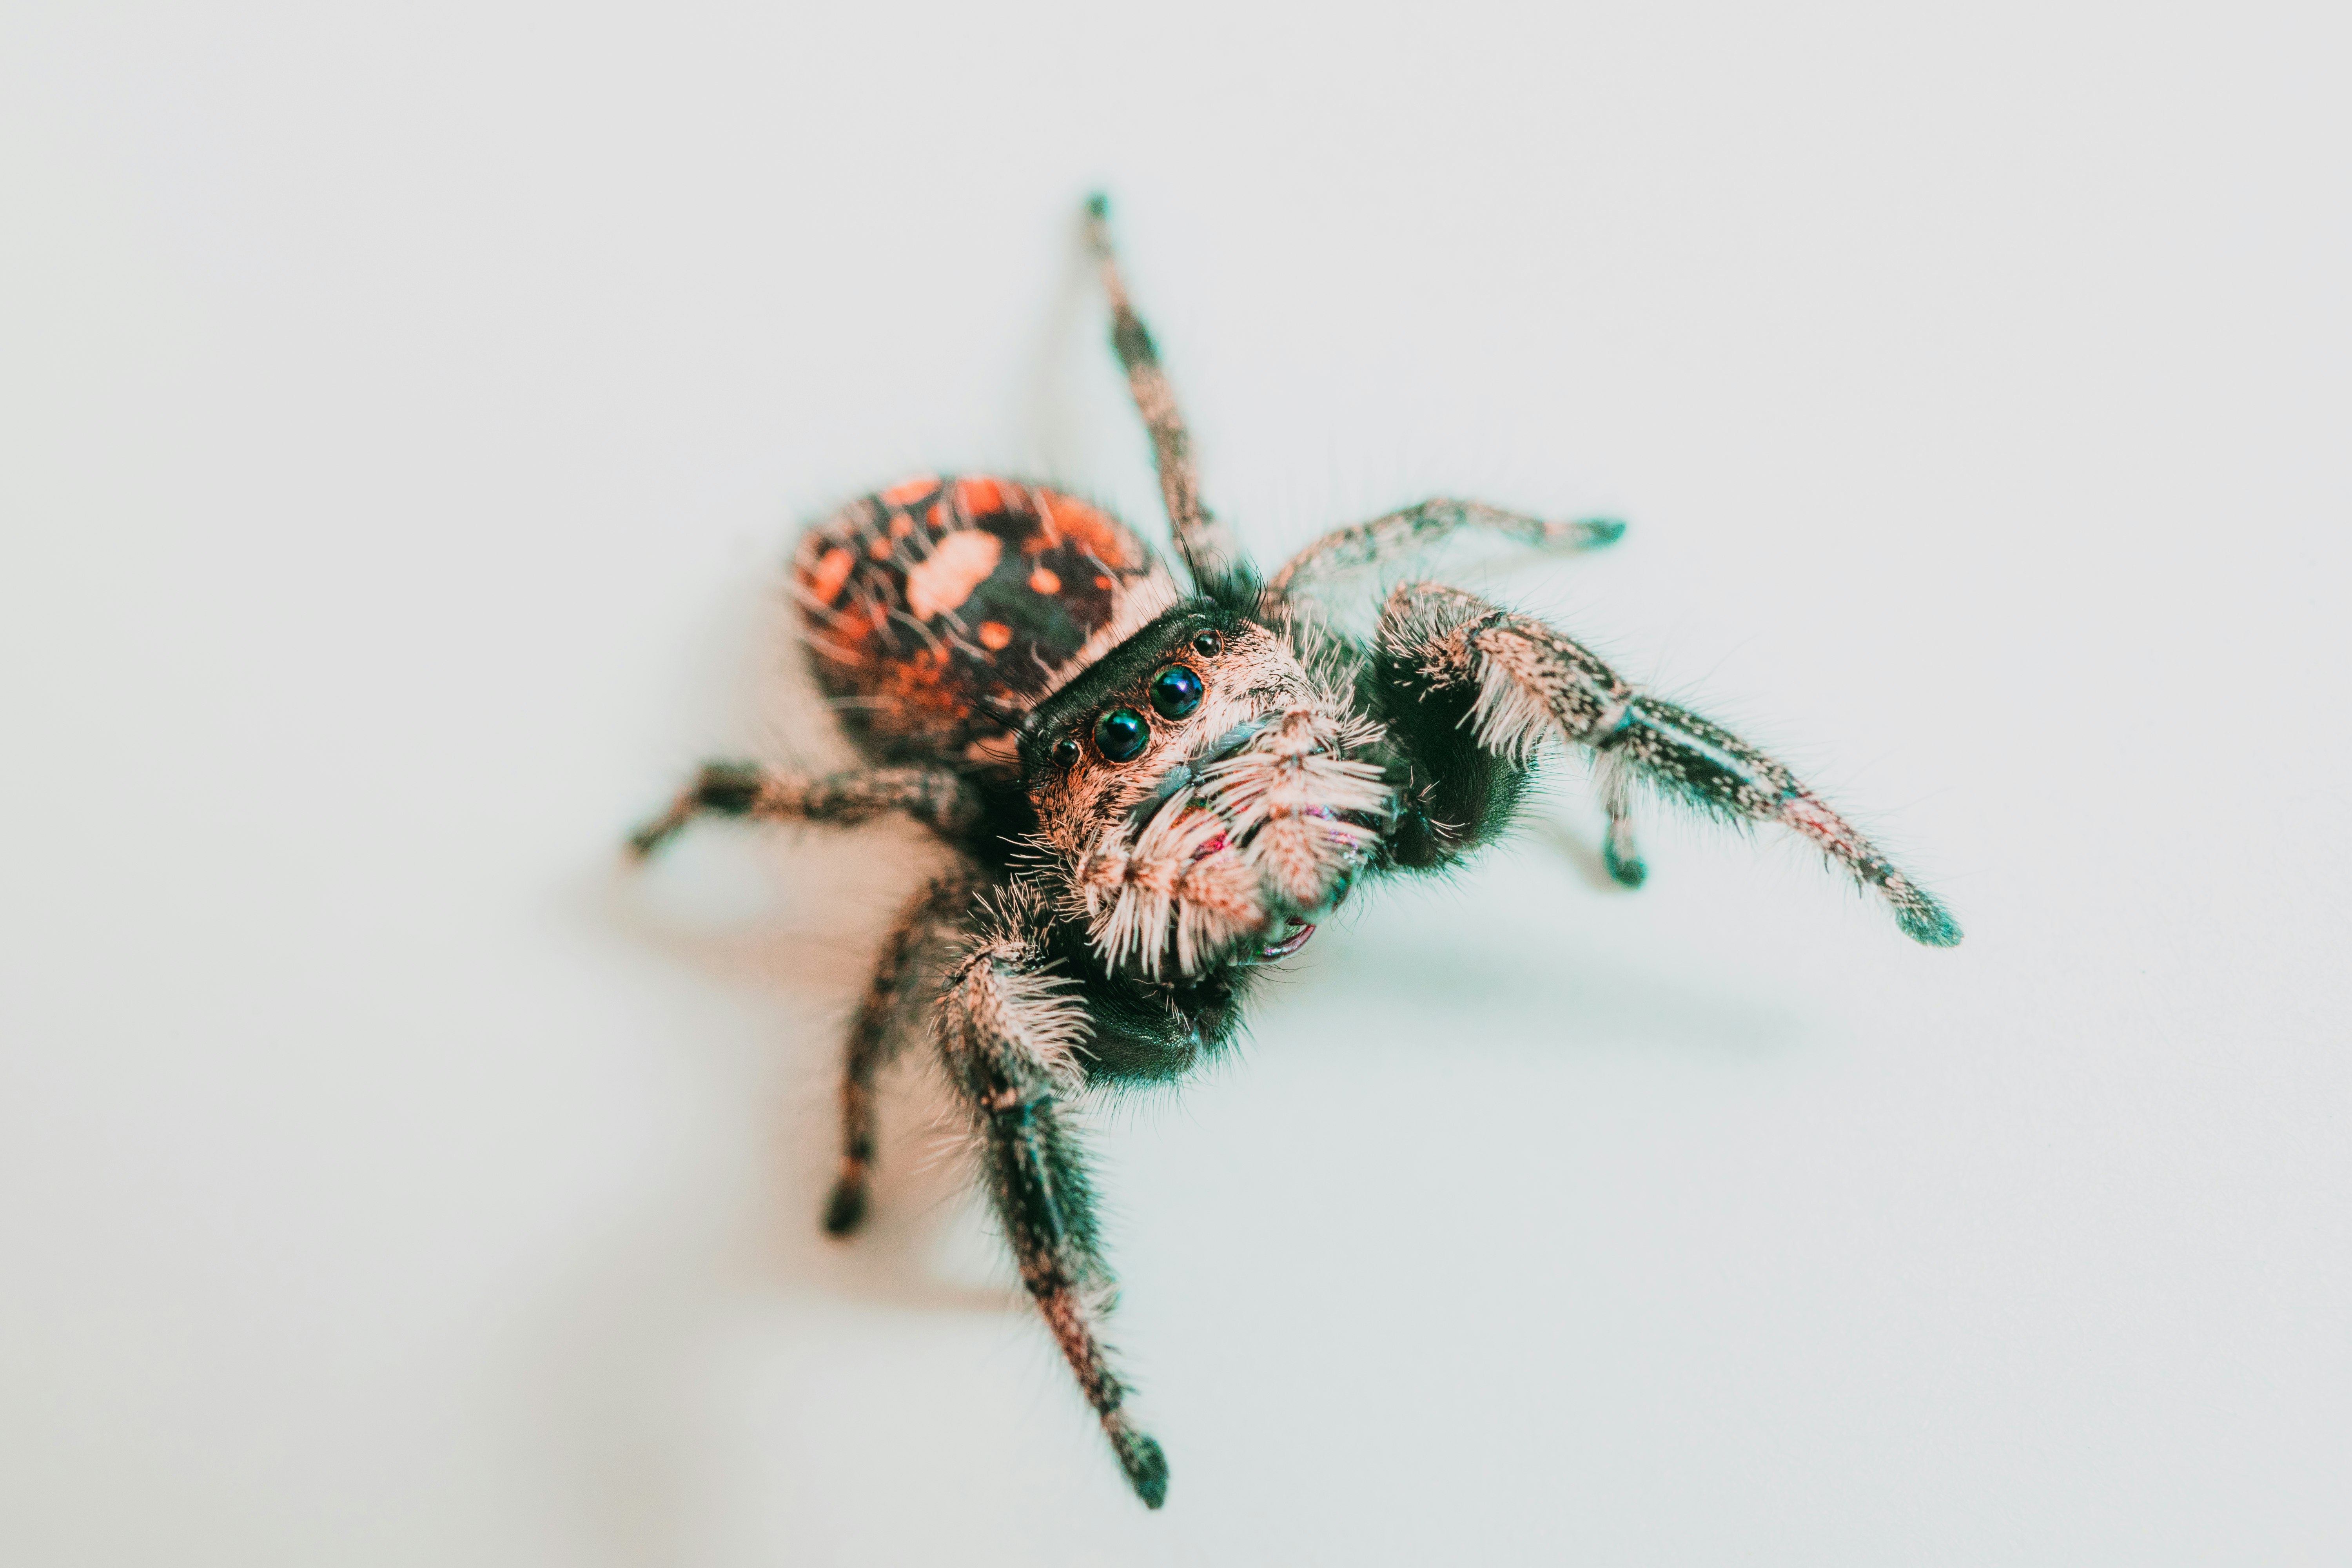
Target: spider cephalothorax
pixel 1152 794
pixel 1198 787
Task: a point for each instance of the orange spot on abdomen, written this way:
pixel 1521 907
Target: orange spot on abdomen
pixel 994 634
pixel 960 564
pixel 980 496
pixel 1105 540
pixel 831 571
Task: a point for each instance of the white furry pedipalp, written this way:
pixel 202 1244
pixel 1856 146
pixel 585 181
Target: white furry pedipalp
pixel 1283 795
pixel 1144 894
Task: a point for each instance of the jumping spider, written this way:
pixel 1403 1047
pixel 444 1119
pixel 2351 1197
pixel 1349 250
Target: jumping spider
pixel 1153 794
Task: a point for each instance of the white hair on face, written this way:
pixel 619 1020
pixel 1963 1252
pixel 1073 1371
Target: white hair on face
pixel 1284 797
pixel 1136 897
pixel 1174 863
pixel 1177 889
pixel 1285 794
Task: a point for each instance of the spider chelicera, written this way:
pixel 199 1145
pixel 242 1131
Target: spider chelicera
pixel 1154 791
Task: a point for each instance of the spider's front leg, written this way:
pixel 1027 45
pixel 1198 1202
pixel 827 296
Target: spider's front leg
pixel 1202 538
pixel 1527 683
pixel 1423 526
pixel 1009 1033
pixel 936 798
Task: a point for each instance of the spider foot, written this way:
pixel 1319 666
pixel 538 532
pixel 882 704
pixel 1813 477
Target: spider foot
pixel 1923 918
pixel 728 788
pixel 846 1210
pixel 1594 532
pixel 1618 850
pixel 1141 1456
pixel 659 831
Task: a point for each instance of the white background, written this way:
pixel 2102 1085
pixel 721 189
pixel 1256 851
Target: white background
pixel 407 410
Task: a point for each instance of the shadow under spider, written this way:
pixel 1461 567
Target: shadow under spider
pixel 806 979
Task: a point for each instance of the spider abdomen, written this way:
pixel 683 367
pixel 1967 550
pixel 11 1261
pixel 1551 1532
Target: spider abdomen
pixel 938 609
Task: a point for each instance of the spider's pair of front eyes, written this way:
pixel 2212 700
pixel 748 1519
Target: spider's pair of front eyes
pixel 1121 734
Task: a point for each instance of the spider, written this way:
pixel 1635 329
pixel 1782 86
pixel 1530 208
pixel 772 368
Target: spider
pixel 1154 791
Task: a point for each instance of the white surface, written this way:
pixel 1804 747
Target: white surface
pixel 405 413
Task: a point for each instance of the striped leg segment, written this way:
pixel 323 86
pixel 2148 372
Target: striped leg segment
pixel 1009 1034
pixel 933 796
pixel 1535 684
pixel 1207 544
pixel 1418 528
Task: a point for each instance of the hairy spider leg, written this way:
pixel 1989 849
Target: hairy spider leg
pixel 1413 529
pixel 875 1036
pixel 939 799
pixel 1204 541
pixel 1534 683
pixel 1008 1035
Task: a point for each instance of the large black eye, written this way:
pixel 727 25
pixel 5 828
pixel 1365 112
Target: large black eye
pixel 1065 752
pixel 1175 692
pixel 1122 734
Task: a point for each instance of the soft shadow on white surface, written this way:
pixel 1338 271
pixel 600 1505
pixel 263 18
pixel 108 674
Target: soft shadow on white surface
pixel 609 1359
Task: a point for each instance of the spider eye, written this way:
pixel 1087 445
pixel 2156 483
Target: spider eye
pixel 1065 752
pixel 1209 644
pixel 1175 692
pixel 1122 734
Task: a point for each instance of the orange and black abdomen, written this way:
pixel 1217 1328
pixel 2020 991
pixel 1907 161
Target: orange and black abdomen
pixel 940 606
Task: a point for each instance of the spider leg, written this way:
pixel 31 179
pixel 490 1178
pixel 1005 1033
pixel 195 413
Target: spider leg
pixel 874 1037
pixel 1417 528
pixel 936 798
pixel 1009 1031
pixel 1205 542
pixel 1533 683
pixel 1619 852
